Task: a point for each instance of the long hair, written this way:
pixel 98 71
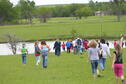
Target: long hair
pixel 118 48
pixel 36 43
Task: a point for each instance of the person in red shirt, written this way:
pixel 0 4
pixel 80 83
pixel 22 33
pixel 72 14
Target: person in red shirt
pixel 115 43
pixel 63 46
pixel 86 44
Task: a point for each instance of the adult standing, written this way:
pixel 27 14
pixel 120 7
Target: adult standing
pixel 79 43
pixel 74 46
pixel 57 47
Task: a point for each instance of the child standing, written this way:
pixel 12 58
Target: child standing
pixel 63 46
pixel 45 50
pixel 105 52
pixel 37 53
pixel 93 52
pixel 117 63
pixel 24 52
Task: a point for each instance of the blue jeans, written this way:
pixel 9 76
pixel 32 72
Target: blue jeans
pixel 23 58
pixel 45 61
pixel 37 59
pixel 57 51
pixel 79 49
pixel 94 65
pixel 45 57
pixel 102 62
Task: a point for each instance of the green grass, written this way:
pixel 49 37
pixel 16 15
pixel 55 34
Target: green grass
pixel 66 69
pixel 61 28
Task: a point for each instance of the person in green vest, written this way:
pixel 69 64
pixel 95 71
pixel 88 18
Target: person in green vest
pixel 24 52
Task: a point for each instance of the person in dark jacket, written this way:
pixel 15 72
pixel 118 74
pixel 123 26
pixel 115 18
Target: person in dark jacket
pixel 57 47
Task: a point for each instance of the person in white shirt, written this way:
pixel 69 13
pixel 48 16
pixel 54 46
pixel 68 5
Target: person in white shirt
pixel 104 53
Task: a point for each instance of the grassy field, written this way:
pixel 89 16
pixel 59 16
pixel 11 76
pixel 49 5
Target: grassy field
pixel 94 26
pixel 66 69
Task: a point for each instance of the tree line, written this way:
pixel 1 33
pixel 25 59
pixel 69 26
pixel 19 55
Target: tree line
pixel 26 10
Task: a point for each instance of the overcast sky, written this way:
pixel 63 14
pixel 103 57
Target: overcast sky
pixel 48 2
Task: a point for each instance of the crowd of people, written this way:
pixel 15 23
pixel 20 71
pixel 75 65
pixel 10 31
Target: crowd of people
pixel 98 51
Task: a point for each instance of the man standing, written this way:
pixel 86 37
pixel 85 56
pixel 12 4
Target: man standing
pixel 57 47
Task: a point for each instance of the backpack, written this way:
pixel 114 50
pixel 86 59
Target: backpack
pixel 78 42
pixel 45 50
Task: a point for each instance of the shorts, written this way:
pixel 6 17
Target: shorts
pixel 37 54
pixel 119 70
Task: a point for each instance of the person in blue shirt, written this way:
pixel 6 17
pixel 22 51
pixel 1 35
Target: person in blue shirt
pixel 68 45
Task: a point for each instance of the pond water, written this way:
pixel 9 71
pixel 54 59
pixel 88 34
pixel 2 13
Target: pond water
pixel 5 50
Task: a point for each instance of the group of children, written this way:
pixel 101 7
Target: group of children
pixel 43 50
pixel 97 53
pixel 77 46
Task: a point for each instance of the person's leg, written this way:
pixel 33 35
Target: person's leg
pixel 79 49
pixel 58 52
pixel 104 63
pixel 121 73
pixel 37 60
pixel 116 71
pixel 43 61
pixel 96 66
pixel 117 80
pixel 101 64
pixel 93 68
pixel 55 51
pixel 73 50
pixel 69 50
pixel 46 62
pixel 24 59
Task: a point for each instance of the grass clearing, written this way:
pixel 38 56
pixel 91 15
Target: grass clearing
pixel 66 69
pixel 61 28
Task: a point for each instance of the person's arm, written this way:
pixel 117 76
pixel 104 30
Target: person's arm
pixel 54 45
pixel 113 60
pixel 108 52
pixel 21 50
pixel 48 48
pixel 27 51
pixel 89 55
pixel 121 39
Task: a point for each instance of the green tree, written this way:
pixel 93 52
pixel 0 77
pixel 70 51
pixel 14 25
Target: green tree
pixel 7 12
pixel 27 9
pixel 118 7
pixel 43 13
pixel 92 6
pixel 83 12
